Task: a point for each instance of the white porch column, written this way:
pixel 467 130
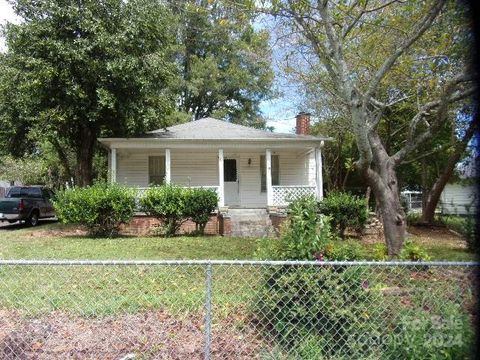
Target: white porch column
pixel 168 173
pixel 113 164
pixel 318 173
pixel 268 164
pixel 221 183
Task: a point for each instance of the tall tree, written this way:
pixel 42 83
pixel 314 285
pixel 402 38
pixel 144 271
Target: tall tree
pixel 371 55
pixel 224 61
pixel 75 70
pixel 457 152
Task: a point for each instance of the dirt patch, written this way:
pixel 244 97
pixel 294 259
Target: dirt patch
pixel 147 335
pixel 436 234
pixel 60 232
pixel 424 235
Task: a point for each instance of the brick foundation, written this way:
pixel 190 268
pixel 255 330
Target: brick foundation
pixel 277 221
pixel 146 225
pixel 224 225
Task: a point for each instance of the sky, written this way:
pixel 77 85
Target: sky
pixel 280 112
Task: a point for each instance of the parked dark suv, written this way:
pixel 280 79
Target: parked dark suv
pixel 28 203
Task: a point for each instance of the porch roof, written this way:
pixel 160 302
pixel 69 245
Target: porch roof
pixel 215 130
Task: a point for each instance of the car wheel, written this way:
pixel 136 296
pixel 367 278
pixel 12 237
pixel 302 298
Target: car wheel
pixel 33 219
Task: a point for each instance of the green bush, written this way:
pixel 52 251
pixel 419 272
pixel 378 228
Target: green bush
pixel 302 237
pixel 379 252
pixel 321 312
pixel 413 252
pixel 470 234
pixel 173 205
pixel 168 204
pixel 413 218
pixel 346 250
pixel 345 211
pixel 199 204
pixel 310 309
pixel 101 208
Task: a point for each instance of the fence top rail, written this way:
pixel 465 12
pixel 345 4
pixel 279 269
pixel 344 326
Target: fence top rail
pixel 237 262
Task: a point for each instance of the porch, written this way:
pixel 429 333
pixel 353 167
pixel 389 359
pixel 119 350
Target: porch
pixel 250 177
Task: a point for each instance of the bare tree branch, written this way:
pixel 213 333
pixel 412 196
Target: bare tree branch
pixel 449 96
pixel 424 155
pixel 417 32
pixel 380 7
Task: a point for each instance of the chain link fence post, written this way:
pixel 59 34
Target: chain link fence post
pixel 208 311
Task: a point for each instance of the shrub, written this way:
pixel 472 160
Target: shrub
pixel 470 234
pixel 413 252
pixel 380 251
pixel 413 218
pixel 101 208
pixel 302 237
pixel 168 204
pixel 199 204
pixel 345 210
pixel 347 250
pixel 320 312
pixel 308 309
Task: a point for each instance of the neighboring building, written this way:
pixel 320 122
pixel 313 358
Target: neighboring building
pixel 461 196
pixel 412 200
pixel 249 168
pixel 459 199
pixel 6 184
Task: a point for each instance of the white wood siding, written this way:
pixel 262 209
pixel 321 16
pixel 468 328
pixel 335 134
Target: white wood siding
pixel 196 168
pixel 199 168
pixel 459 199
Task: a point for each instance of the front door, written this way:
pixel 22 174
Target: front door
pixel 230 177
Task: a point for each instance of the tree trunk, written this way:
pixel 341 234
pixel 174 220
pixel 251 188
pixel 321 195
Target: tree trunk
pixel 384 184
pixel 428 211
pixel 425 189
pixel 85 151
pixel 391 212
pixel 63 159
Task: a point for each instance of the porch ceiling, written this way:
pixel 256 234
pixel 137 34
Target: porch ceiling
pixel 135 143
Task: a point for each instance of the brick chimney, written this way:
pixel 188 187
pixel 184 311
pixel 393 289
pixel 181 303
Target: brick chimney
pixel 303 124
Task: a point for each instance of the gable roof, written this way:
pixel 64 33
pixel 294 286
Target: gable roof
pixel 213 129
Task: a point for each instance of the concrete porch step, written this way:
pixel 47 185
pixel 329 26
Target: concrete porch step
pixel 250 222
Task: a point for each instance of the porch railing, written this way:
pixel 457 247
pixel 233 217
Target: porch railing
pixel 284 194
pixel 141 190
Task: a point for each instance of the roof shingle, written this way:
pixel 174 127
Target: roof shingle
pixel 213 129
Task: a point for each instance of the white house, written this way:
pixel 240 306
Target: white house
pixel 459 199
pixel 4 185
pixel 249 168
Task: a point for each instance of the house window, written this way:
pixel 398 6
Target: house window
pixel 263 172
pixel 230 170
pixel 156 170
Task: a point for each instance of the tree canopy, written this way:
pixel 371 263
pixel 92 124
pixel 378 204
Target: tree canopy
pixel 78 70
pixel 365 58
pixel 224 62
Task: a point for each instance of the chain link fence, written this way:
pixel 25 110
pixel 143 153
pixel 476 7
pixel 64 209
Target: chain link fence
pixel 236 310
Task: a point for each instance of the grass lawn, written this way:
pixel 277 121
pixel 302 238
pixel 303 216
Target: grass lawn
pixel 93 296
pixel 45 243
pixel 441 244
pixel 56 241
pixel 101 290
